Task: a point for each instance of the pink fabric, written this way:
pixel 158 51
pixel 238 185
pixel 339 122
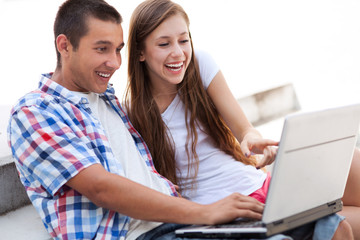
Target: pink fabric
pixel 261 193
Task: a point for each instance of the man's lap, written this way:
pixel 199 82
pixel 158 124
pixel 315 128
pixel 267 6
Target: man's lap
pixel 322 229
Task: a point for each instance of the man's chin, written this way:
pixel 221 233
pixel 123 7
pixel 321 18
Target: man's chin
pixel 99 90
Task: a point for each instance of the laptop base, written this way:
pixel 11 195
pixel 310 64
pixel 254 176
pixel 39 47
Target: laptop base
pixel 231 231
pixel 223 236
pixel 304 217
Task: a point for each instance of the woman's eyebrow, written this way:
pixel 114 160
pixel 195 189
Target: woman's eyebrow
pixel 181 34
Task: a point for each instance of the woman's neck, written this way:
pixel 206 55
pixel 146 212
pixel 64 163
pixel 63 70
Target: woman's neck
pixel 164 100
pixel 164 95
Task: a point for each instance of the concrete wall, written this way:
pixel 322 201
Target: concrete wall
pixel 12 192
pixel 271 104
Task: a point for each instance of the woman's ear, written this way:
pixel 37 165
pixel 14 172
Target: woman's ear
pixel 142 57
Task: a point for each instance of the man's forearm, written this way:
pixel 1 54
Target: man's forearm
pixel 122 195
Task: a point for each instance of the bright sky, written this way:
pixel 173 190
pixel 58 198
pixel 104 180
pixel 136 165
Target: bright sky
pixel 315 44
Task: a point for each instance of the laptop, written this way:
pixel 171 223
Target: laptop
pixel 308 177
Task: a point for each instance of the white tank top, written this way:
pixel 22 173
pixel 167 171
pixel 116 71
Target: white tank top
pixel 219 174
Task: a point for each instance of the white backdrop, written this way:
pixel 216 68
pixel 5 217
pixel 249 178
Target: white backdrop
pixel 315 44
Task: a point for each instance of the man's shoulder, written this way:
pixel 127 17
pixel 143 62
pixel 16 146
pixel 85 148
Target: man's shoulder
pixel 49 94
pixel 33 98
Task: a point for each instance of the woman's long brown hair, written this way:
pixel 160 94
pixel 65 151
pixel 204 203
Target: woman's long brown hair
pixel 144 113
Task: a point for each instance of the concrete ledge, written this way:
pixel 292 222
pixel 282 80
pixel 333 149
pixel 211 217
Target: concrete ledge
pixel 24 223
pixel 271 104
pixel 12 192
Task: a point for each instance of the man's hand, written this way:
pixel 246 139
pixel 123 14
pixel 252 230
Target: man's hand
pixel 232 207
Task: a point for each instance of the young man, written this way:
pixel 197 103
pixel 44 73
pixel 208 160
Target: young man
pixel 85 168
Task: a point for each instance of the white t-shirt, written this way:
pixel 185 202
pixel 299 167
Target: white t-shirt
pixel 219 174
pixel 125 151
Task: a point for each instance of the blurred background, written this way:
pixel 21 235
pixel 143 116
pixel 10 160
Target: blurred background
pixel 313 44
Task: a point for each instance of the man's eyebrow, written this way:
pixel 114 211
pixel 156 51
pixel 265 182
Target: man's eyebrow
pixel 103 42
pixel 122 45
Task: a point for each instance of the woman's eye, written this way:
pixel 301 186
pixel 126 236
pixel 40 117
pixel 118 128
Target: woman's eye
pixel 163 44
pixel 184 41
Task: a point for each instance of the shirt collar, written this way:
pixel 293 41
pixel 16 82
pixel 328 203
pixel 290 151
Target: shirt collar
pixel 48 86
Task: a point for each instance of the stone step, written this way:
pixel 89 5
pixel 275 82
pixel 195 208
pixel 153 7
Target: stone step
pixel 12 192
pixel 23 223
pixel 265 106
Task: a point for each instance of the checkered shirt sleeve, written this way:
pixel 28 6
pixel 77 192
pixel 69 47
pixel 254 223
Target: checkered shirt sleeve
pixel 52 138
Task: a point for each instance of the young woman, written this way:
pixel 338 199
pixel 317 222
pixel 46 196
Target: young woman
pixel 179 101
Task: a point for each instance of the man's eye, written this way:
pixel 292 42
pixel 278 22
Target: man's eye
pixel 101 49
pixel 118 50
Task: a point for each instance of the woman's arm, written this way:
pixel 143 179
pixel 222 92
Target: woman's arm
pixel 235 118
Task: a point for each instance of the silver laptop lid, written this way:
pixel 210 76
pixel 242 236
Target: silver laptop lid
pixel 316 147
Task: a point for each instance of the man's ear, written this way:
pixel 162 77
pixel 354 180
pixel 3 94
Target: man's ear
pixel 62 44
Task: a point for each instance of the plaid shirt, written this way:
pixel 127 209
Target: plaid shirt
pixel 53 136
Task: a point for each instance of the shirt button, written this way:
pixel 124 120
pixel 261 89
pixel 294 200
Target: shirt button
pixel 83 100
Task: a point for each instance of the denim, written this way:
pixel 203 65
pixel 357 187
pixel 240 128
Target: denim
pixel 324 228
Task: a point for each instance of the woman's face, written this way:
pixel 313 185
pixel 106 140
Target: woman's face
pixel 167 53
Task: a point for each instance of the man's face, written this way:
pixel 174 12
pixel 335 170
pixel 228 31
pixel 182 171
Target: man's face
pixel 90 67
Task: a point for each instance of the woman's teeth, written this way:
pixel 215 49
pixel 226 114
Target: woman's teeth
pixel 174 67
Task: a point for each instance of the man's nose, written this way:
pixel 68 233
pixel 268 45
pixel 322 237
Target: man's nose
pixel 114 61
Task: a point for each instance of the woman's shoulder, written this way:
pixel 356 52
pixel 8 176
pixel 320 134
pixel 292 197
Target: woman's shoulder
pixel 203 55
pixel 207 66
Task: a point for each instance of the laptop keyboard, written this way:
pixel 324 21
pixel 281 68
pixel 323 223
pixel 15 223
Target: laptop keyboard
pixel 242 223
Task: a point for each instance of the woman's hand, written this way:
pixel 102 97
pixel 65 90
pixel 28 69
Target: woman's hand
pixel 256 145
pixel 177 188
